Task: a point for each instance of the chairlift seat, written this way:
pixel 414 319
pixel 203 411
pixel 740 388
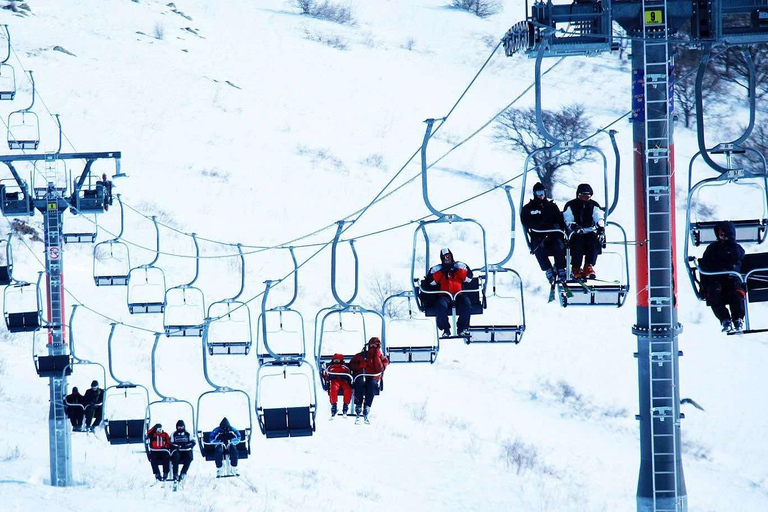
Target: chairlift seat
pixel 420 354
pixel 429 300
pixel 23 144
pixel 285 358
pixel 288 422
pixel 145 307
pixel 79 238
pixel 6 95
pixel 14 203
pixel 240 348
pixel 757 283
pixel 111 280
pixel 751 230
pixel 53 366
pixel 599 295
pixel 188 331
pixel 209 449
pixel 25 321
pixel 125 431
pixel 5 277
pixel 495 333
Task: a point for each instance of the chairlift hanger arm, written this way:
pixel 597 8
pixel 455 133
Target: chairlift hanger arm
pixel 197 261
pixel 424 168
pixel 264 329
pixel 339 230
pixel 81 179
pixel 617 173
pixel 8 37
pixel 20 182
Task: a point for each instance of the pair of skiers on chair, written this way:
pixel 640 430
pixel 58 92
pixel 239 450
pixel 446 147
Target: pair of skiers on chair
pixel 363 374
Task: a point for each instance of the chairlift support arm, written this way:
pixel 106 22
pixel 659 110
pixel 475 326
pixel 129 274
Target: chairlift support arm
pixel 339 230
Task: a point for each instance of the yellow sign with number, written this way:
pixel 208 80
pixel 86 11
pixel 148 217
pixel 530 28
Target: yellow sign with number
pixel 53 206
pixel 654 17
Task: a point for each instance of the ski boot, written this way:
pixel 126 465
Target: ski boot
pixel 589 272
pixel 562 275
pixel 366 411
pixel 334 410
pixel 358 412
pixel 577 273
pixel 738 326
pixel 727 325
pixel 344 410
pixel 551 275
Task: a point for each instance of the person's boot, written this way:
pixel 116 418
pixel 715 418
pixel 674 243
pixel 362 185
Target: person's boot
pixel 551 275
pixel 589 272
pixel 738 325
pixel 334 410
pixel 358 411
pixel 344 409
pixel 366 411
pixel 727 325
pixel 577 273
pixel 562 275
pixel 219 472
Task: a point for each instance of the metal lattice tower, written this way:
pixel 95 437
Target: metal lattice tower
pixel 659 337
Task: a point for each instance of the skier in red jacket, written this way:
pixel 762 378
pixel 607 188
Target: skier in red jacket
pixel 159 450
pixel 451 275
pixel 367 367
pixel 339 378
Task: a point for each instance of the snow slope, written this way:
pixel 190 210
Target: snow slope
pixel 248 128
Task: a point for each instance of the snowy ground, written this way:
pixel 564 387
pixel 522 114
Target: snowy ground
pixel 250 123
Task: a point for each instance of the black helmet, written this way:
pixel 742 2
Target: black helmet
pixel 538 187
pixel 95 384
pixel 180 423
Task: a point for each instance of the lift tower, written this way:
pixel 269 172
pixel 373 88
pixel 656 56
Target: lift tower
pixel 584 27
pixel 88 195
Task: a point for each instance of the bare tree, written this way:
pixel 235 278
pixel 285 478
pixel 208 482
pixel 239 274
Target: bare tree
pixel 380 286
pixel 480 8
pixel 516 128
pixel 731 67
pixel 759 141
pixel 686 64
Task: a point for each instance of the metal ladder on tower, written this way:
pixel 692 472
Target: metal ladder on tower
pixel 661 293
pixel 53 248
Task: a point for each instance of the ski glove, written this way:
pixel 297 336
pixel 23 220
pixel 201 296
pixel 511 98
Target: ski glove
pixel 601 235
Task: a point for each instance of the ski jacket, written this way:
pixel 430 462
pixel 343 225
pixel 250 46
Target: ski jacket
pixel 337 368
pixel 450 278
pixel 722 255
pixel 73 400
pixel 539 214
pixel 158 440
pixel 93 397
pixel 586 215
pixel 225 435
pixel 182 440
pixel 370 360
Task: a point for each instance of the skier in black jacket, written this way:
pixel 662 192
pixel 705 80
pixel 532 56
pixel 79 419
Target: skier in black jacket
pixel 181 444
pixel 73 405
pixel 93 399
pixel 584 217
pixel 721 290
pixel 543 214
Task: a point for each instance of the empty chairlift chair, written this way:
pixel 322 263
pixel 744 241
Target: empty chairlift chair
pixel 22 306
pixel 228 329
pixel 185 305
pixel 6 261
pixel 296 419
pixel 411 338
pixel 112 258
pixel 49 365
pixel 146 284
pixel 15 200
pixel 24 126
pixel 79 229
pixel 7 73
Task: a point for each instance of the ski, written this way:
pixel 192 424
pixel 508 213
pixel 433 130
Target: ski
pixel 587 289
pixel 567 290
pixel 552 292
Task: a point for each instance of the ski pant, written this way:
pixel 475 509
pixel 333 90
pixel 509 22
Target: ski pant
pixel 584 247
pixel 551 245
pixel 75 415
pixel 92 415
pixel 183 457
pixel 340 384
pixel 160 458
pixel 723 292
pixel 366 388
pixel 230 449
pixel 443 309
